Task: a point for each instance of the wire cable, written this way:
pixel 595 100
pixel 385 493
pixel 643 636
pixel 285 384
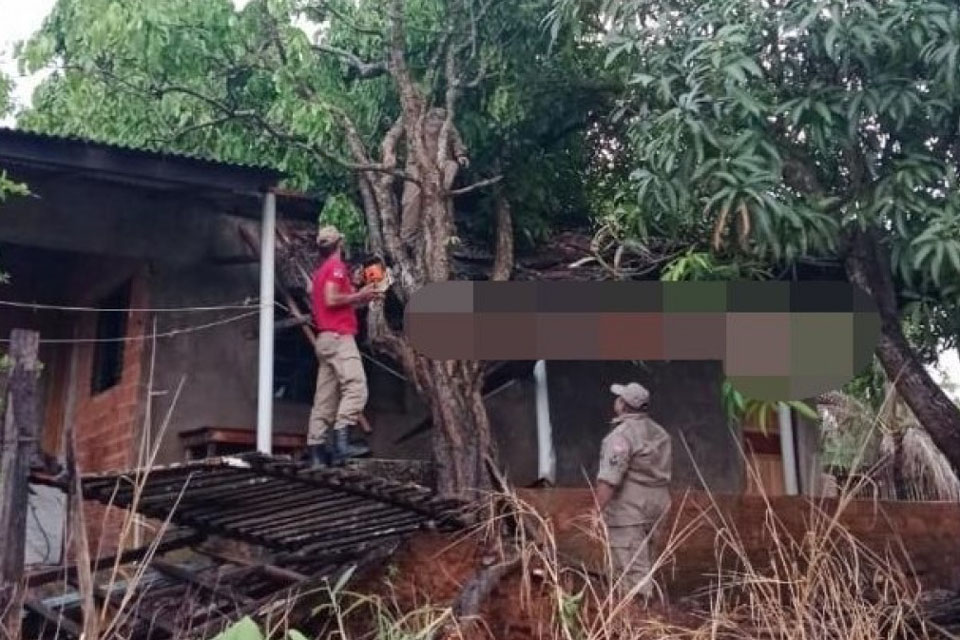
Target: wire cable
pixel 248 303
pixel 172 333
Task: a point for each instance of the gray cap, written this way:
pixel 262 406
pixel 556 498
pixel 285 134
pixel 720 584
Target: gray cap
pixel 328 236
pixel 632 393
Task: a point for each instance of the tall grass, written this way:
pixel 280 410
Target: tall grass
pixel 824 585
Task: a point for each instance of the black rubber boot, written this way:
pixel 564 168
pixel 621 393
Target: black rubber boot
pixel 319 455
pixel 342 449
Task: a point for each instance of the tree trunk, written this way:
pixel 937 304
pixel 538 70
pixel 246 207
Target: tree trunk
pixel 867 266
pixel 461 433
pixel 410 213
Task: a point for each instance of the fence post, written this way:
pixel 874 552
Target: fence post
pixel 18 441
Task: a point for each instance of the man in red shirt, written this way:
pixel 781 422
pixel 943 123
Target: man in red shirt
pixel 341 383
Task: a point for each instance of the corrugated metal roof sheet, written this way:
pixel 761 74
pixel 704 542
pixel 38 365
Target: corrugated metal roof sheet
pixel 113 146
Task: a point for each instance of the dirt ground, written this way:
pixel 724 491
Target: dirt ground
pixel 431 569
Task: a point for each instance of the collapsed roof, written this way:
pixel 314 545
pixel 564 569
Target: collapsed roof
pixel 300 530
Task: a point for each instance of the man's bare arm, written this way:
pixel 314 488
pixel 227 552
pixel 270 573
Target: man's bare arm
pixel 334 298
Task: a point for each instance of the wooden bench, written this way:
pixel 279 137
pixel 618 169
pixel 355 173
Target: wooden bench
pixel 207 442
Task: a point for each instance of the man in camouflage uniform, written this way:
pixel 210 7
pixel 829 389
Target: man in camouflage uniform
pixel 632 487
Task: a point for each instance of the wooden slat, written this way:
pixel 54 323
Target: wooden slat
pixel 55 618
pixel 130 611
pixel 176 542
pixel 184 575
pixel 272 570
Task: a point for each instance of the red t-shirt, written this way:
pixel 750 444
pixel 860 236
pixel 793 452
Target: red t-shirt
pixel 341 319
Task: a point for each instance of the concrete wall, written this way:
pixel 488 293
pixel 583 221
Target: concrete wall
pixel 84 216
pixel 218 366
pixel 685 400
pixel 811 477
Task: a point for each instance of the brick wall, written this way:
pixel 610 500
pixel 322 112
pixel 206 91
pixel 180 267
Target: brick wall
pixel 108 423
pixel 925 533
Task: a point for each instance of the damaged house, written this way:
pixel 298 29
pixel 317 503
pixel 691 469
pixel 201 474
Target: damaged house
pixel 162 327
pixel 162 236
pixel 166 324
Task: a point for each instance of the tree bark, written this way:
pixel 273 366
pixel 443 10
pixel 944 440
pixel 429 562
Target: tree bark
pixel 868 267
pixel 503 262
pixel 18 441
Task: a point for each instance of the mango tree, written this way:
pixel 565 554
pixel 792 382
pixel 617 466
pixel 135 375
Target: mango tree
pixel 790 130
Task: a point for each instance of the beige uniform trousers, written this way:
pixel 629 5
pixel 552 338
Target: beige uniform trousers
pixel 630 544
pixel 630 557
pixel 341 393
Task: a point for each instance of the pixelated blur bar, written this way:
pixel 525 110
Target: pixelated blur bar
pixel 777 340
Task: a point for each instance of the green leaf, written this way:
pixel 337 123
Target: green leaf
pixel 953 252
pixel 824 112
pixel 751 67
pixel 937 264
pixel 830 40
pixel 805 410
pixel 244 629
pixel 643 79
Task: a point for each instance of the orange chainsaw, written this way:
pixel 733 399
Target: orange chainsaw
pixel 375 272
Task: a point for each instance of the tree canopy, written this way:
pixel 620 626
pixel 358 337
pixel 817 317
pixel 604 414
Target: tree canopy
pixel 789 130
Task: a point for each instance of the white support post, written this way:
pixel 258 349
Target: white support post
pixel 546 456
pixel 788 450
pixel 268 234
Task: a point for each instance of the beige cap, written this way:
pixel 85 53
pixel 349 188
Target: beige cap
pixel 328 236
pixel 633 394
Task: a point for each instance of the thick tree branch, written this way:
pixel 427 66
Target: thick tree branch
pixel 388 148
pixel 504 256
pixel 364 69
pixel 371 214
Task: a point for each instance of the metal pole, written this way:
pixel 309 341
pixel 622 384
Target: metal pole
pixel 268 234
pixel 546 462
pixel 788 450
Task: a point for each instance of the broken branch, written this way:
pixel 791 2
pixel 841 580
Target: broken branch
pixel 476 185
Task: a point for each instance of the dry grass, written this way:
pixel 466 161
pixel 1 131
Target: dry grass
pixel 823 586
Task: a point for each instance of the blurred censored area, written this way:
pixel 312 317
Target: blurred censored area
pixel 777 340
